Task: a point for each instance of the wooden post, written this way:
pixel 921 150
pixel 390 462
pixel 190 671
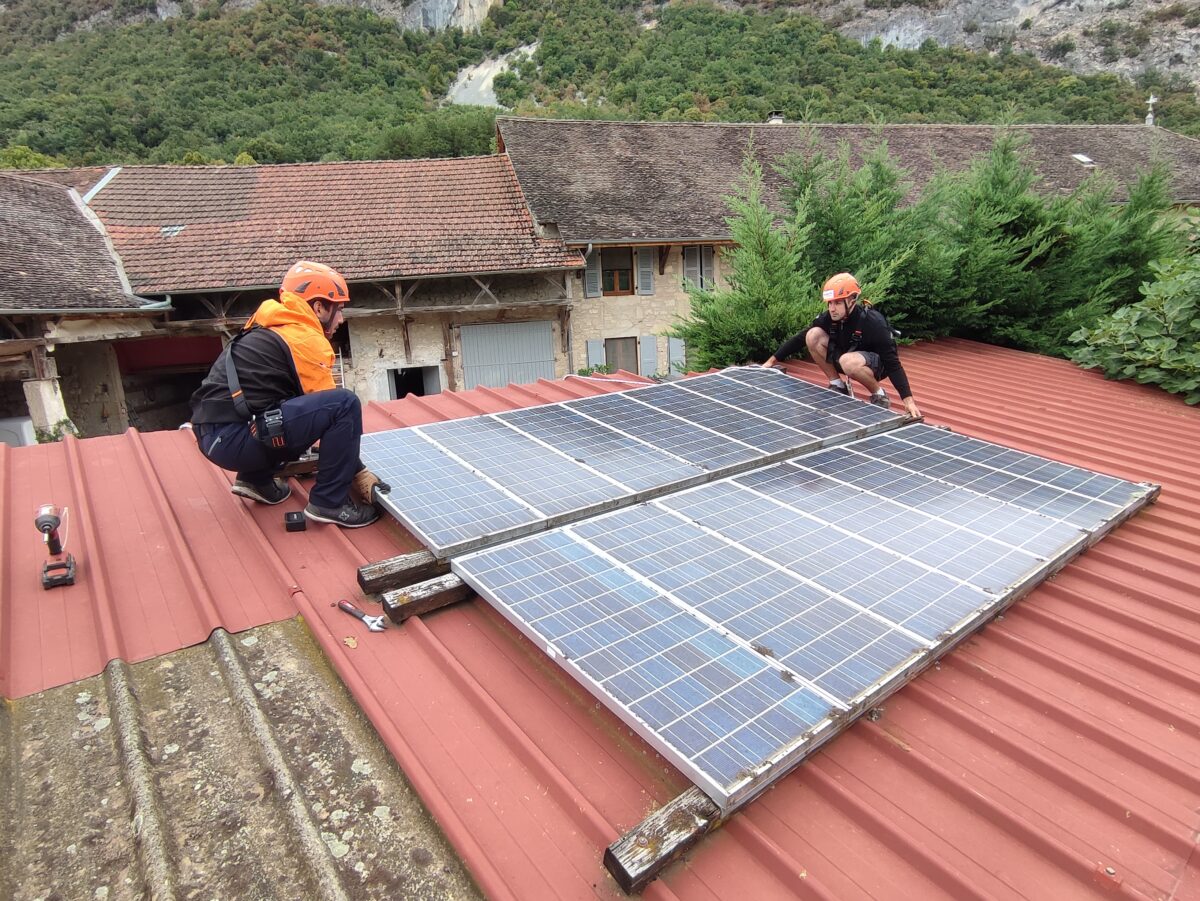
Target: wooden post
pixel 432 594
pixel 637 857
pixel 396 572
pixel 448 350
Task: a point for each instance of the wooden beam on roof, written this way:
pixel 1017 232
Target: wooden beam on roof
pixel 637 857
pixel 18 347
pixel 399 571
pixel 404 323
pixel 217 310
pixel 11 326
pixel 448 358
pixel 484 288
pixel 425 597
pixel 409 292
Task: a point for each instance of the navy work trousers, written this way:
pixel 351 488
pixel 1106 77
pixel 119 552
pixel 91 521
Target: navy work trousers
pixel 332 417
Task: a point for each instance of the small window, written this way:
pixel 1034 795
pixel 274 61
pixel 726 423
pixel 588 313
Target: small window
pixel 621 353
pixel 616 270
pixel 698 266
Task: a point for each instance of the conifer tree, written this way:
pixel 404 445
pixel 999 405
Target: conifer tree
pixel 770 291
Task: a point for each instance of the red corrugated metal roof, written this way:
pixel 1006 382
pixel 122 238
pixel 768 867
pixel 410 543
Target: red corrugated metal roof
pixel 1061 742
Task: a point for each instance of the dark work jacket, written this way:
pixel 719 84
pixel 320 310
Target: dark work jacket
pixel 264 368
pixel 865 327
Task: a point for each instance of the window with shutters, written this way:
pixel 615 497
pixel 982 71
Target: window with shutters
pixel 698 266
pixel 621 353
pixel 616 270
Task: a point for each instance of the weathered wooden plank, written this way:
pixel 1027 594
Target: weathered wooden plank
pixel 431 594
pixel 645 851
pixel 396 572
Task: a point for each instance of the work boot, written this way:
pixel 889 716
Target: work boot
pixel 881 400
pixel 843 388
pixel 272 492
pixel 349 515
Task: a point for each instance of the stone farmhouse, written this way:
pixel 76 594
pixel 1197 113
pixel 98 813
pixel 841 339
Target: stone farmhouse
pixel 646 201
pixel 572 247
pixel 64 297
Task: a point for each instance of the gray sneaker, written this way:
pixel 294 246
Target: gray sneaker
pixel 881 400
pixel 843 388
pixel 272 492
pixel 349 515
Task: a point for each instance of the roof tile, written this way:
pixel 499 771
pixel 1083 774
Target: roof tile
pixel 656 181
pixel 196 228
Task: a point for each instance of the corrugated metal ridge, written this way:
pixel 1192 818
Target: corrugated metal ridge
pixel 1058 743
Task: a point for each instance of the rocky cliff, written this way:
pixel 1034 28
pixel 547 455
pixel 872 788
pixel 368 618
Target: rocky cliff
pixel 1125 37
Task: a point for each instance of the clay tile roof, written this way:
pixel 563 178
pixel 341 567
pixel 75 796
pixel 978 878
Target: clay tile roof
pixel 54 257
pixel 196 228
pixel 647 181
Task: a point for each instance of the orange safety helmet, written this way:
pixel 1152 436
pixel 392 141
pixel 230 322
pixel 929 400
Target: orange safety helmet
pixel 316 281
pixel 842 286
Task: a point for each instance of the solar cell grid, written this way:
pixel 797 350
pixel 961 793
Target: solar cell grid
pixel 691 442
pixel 723 419
pixel 836 574
pixel 820 398
pixel 437 497
pixel 615 454
pixel 544 478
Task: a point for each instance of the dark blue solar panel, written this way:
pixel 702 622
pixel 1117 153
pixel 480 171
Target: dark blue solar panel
pixel 711 701
pixel 839 405
pixel 684 439
pixel 1057 490
pixel 437 497
pixel 829 578
pixel 543 478
pixel 731 422
pixel 617 455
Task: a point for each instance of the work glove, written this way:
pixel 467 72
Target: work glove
pixel 361 486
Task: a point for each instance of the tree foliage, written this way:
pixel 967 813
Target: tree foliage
pixel 978 254
pixel 1155 341
pixel 287 80
pixel 769 291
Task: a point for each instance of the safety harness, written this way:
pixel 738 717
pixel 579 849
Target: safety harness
pixel 267 426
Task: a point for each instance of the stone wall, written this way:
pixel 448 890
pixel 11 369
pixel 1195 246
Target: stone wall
pixel 91 385
pixel 635 315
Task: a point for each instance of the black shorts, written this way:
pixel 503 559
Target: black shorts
pixel 873 361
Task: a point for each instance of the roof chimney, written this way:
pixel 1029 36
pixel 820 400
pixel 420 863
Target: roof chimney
pixel 775 117
pixel 1150 115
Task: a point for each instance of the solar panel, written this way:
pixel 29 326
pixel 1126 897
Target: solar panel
pixel 538 467
pixel 738 624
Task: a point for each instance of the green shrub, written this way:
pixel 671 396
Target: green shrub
pixel 1156 340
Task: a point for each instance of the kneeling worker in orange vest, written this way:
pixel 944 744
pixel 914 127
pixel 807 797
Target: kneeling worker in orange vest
pixel 270 395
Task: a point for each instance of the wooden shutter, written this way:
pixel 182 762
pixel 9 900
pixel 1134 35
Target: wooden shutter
pixel 691 266
pixel 591 278
pixel 677 355
pixel 595 353
pixel 645 270
pixel 706 272
pixel 648 354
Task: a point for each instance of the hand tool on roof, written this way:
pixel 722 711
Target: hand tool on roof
pixel 60 568
pixel 374 623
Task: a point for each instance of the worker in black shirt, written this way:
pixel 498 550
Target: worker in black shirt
pixel 852 340
pixel 271 394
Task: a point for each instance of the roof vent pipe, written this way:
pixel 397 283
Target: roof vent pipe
pixel 1150 115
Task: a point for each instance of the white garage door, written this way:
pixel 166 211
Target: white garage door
pixel 501 353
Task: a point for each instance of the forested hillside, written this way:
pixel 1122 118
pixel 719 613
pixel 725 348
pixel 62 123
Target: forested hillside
pixel 288 80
